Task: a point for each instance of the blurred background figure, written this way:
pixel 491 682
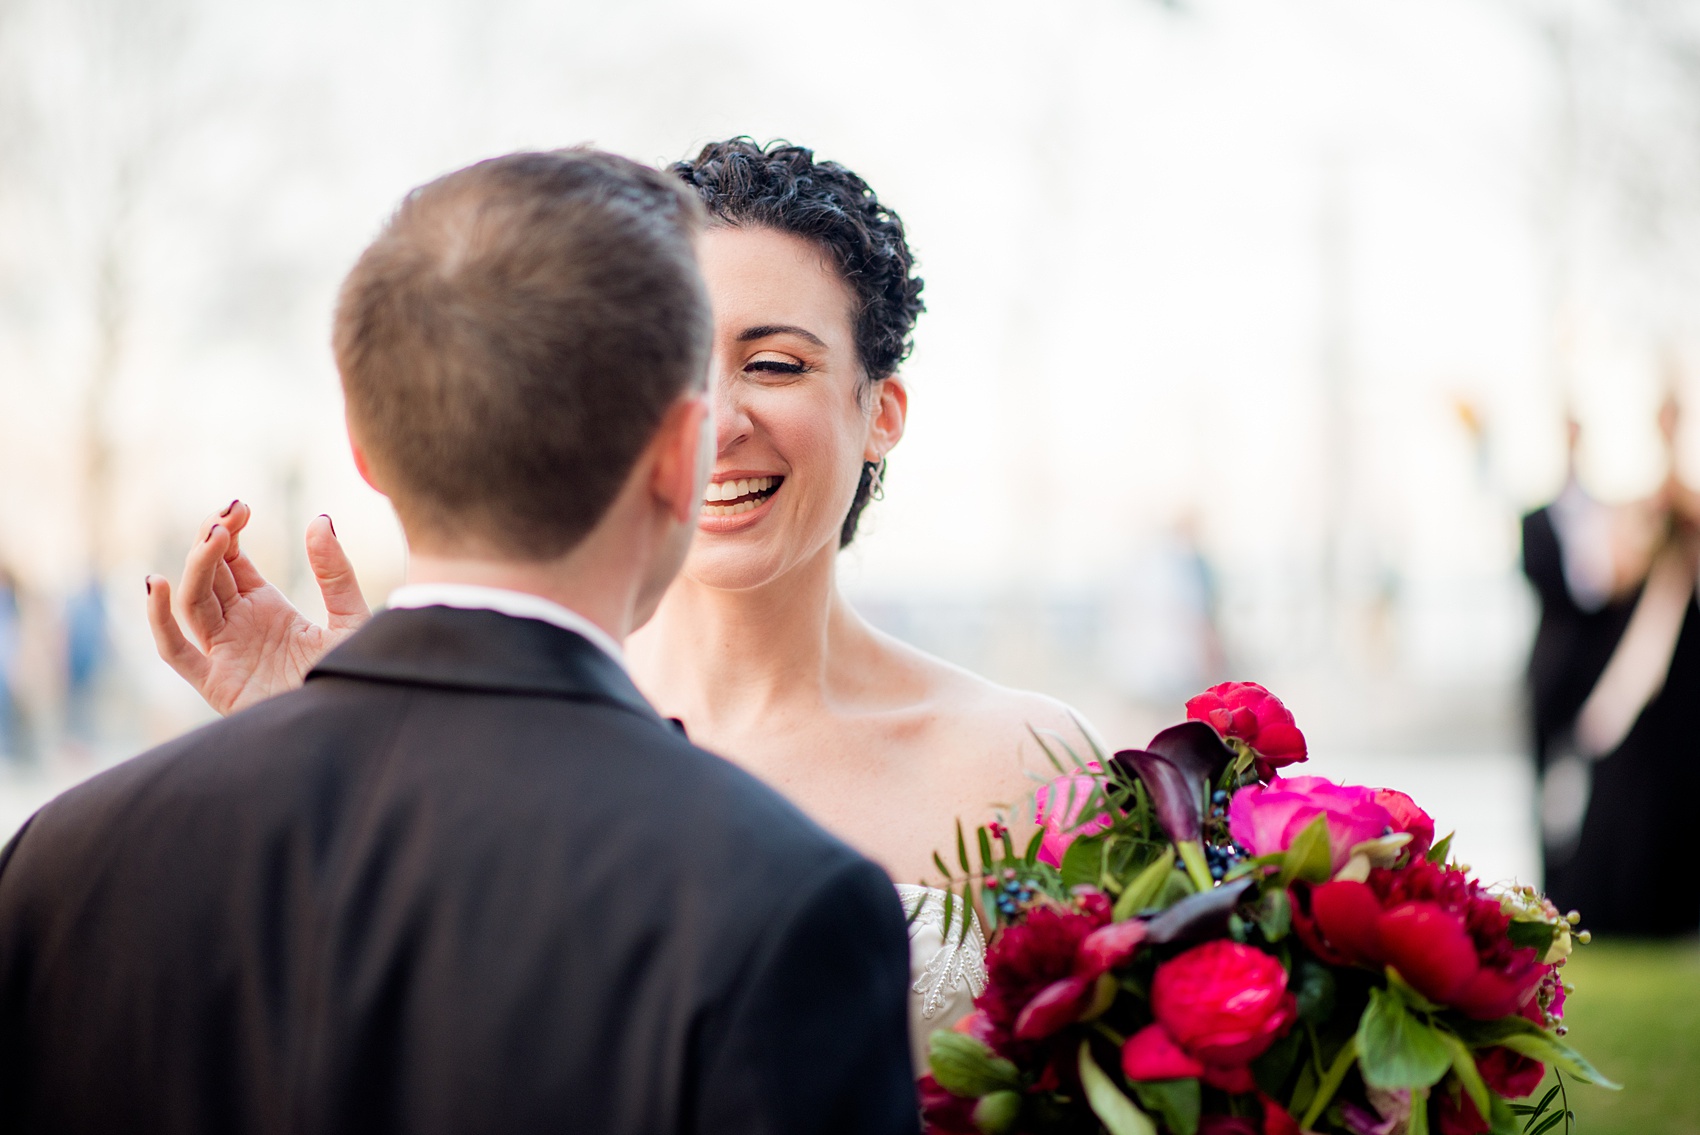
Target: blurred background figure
pixel 11 651
pixel 87 650
pixel 1614 676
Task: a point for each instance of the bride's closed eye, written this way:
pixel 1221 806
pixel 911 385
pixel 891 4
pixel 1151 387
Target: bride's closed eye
pixel 776 366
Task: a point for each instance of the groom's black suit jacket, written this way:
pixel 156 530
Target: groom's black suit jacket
pixel 466 880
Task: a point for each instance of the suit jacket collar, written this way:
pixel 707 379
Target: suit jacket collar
pixel 456 648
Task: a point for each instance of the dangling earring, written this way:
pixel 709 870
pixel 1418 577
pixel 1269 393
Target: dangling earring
pixel 876 480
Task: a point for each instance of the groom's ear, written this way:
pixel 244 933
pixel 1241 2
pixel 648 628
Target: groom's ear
pixel 684 450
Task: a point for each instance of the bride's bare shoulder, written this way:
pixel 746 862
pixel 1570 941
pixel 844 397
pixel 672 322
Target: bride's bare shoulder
pixel 993 719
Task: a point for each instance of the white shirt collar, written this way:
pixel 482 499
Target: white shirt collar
pixel 519 604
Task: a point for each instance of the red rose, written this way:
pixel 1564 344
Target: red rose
pixel 1508 1073
pixel 1254 715
pixel 1223 1002
pixel 1407 817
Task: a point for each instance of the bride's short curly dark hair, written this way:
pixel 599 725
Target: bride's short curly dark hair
pixel 783 187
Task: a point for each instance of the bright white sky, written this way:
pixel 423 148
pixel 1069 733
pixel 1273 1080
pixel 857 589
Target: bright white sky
pixel 1121 214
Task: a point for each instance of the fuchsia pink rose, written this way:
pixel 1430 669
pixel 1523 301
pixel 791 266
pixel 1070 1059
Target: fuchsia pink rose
pixel 1250 713
pixel 1058 808
pixel 1267 818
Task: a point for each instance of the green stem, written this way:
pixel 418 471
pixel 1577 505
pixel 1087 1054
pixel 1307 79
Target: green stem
pixel 1331 1082
pixel 1192 854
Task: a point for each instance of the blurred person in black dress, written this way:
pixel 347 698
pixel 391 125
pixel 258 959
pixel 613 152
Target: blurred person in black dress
pixel 1615 666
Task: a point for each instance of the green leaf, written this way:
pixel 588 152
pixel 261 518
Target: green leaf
pixel 1308 856
pixel 949 911
pixel 1275 1066
pixel 965 1067
pixel 1115 1111
pixel 962 850
pixel 1031 855
pixel 1419 1114
pixel 1143 891
pixel 1008 842
pixel 1548 1123
pixel 1550 1050
pixel 1176 1102
pixel 1197 868
pixel 1503 1118
pixel 920 904
pixel 1464 1066
pixel 1313 988
pixel 1536 936
pixel 985 850
pixel 1331 1082
pixel 938 861
pixel 1437 852
pixel 1524 1036
pixel 1275 915
pixel 1395 1049
pixel 1082 862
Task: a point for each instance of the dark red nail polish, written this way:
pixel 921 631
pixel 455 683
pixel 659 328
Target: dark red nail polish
pixel 148 582
pixel 329 521
pixel 230 506
pixel 210 532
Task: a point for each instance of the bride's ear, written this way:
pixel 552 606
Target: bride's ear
pixel 683 454
pixel 891 412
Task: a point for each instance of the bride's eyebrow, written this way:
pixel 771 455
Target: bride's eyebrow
pixel 751 334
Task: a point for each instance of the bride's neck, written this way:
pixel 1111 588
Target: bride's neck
pixel 717 658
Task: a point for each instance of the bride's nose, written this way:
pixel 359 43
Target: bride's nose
pixel 731 415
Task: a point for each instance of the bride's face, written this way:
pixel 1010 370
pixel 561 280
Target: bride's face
pixel 795 418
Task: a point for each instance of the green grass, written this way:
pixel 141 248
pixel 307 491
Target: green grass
pixel 1636 1015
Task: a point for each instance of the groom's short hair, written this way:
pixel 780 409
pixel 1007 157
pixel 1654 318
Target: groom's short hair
pixel 511 340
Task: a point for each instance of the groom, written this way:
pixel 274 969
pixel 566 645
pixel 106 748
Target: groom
pixel 467 880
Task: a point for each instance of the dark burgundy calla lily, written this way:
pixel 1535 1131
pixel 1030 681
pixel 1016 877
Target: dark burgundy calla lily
pixel 1177 768
pixel 1196 917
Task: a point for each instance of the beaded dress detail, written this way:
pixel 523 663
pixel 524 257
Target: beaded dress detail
pixel 946 971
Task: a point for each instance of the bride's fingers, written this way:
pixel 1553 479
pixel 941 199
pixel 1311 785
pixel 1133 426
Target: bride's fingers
pixel 179 653
pixel 198 597
pixel 344 603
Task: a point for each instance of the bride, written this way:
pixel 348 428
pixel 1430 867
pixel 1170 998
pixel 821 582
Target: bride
pixel 754 649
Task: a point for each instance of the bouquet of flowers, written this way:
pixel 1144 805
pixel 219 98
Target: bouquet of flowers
pixel 1197 945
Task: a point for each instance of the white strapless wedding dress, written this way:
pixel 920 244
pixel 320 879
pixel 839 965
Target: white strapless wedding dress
pixel 946 972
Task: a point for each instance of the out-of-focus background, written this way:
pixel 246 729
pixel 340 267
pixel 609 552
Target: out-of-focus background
pixel 1253 325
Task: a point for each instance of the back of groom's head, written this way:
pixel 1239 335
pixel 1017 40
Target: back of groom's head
pixel 511 341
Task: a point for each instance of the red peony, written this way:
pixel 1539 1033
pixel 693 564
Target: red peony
pixel 1223 1002
pixel 1027 958
pixel 1510 1074
pixel 945 1113
pixel 1247 711
pixel 1434 925
pixel 1457 1114
pixel 1226 1125
pixel 1409 818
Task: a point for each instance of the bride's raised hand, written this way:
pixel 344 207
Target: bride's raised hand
pixel 253 642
